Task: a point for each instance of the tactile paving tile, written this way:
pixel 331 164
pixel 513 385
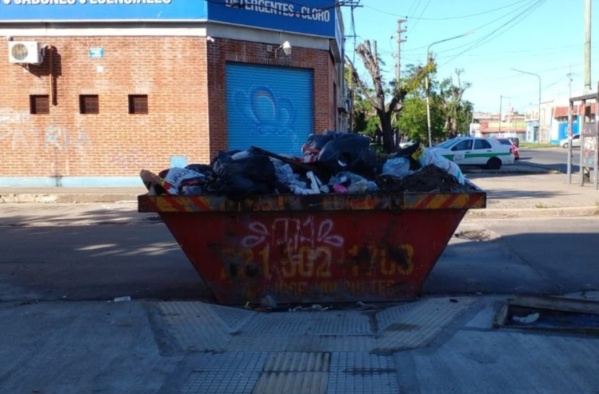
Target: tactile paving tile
pixel 257 343
pixel 389 316
pixel 234 318
pixel 332 343
pixel 363 373
pixel 220 382
pixel 224 373
pixel 195 326
pixel 285 323
pixel 346 323
pixel 417 326
pixel 294 373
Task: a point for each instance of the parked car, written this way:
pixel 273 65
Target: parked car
pixel 575 142
pixel 513 147
pixel 485 152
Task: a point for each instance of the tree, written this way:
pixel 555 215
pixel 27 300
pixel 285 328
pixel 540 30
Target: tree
pixel 450 114
pixel 377 95
pixel 453 105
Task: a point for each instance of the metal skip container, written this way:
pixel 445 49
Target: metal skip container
pixel 337 248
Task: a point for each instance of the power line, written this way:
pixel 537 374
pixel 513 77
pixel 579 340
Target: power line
pixel 505 27
pixel 353 5
pixel 514 15
pixel 421 13
pixel 448 18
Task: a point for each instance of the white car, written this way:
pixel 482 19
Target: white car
pixel 575 142
pixel 486 152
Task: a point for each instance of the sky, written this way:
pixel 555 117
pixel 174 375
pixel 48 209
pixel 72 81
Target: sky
pixel 542 37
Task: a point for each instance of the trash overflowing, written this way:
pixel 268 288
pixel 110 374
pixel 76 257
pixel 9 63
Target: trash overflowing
pixel 337 224
pixel 334 162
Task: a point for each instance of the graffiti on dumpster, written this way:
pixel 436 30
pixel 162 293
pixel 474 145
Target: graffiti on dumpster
pixel 308 254
pixel 293 232
pixel 382 287
pixel 305 246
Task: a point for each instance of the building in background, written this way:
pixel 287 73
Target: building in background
pixel 509 124
pixel 93 91
pixel 553 123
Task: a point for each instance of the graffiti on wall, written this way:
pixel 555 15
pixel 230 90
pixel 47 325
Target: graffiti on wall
pixel 13 131
pixel 267 113
pixel 17 132
pixel 56 137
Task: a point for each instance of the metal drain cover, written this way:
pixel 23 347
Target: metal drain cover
pixel 550 314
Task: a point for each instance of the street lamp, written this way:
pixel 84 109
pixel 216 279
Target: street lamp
pixel 539 109
pixel 428 105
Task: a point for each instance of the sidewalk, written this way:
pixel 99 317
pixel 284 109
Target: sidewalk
pixel 535 194
pixel 433 345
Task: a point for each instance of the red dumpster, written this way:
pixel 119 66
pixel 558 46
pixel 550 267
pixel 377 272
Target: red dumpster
pixel 317 248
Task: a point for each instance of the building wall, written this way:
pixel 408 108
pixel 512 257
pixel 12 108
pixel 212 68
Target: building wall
pixel 64 143
pixel 183 78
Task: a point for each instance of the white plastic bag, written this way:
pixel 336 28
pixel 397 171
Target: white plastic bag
pixel 431 157
pixel 397 167
pixel 176 175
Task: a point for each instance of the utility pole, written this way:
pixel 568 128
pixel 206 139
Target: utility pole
pixel 500 105
pixel 426 83
pixel 399 41
pixel 569 161
pixel 398 73
pixel 587 47
pixel 353 4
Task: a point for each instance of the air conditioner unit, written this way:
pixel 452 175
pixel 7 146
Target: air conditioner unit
pixel 24 52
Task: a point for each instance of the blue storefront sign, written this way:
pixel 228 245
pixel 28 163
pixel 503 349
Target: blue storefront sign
pixel 101 10
pixel 315 17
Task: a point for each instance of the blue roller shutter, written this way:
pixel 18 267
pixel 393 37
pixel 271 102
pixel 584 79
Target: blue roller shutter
pixel 269 107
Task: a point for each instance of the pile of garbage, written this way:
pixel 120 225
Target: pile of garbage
pixel 333 162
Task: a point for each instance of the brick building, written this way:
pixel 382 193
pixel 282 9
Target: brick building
pixel 92 91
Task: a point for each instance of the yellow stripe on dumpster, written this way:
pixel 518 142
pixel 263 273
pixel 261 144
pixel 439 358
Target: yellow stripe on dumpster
pixel 198 204
pixel 444 201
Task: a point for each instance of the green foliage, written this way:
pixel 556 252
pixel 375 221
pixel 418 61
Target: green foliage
pixel 405 111
pixel 412 121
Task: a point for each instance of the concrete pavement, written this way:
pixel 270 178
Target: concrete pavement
pixel 432 345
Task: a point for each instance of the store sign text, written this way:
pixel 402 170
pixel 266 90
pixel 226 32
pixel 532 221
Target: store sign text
pixel 281 8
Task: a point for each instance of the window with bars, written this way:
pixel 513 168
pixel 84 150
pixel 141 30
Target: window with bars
pixel 138 104
pixel 89 104
pixel 39 104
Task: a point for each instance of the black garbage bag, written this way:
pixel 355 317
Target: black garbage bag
pixel 241 174
pixel 412 153
pixel 204 169
pixel 315 142
pixel 348 152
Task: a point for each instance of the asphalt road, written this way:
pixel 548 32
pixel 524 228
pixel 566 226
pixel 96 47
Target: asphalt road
pixel 104 251
pixel 91 252
pixel 519 256
pixel 554 159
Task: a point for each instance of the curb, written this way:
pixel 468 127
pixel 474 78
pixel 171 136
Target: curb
pixel 35 198
pixel 514 169
pixel 532 212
